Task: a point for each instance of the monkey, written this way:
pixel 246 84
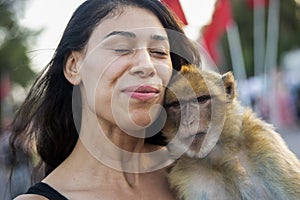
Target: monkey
pixel 222 149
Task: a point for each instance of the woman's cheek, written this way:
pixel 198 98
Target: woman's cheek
pixel 165 74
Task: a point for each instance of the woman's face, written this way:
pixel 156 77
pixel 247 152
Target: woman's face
pixel 125 69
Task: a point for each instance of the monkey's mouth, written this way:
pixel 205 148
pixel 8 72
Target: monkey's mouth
pixel 200 134
pixel 195 139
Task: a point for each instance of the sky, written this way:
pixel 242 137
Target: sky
pixel 52 16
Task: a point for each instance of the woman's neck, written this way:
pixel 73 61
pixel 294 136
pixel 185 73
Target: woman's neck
pixel 105 152
pixel 81 174
pixel 90 167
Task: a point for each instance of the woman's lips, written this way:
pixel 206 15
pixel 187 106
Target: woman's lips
pixel 142 92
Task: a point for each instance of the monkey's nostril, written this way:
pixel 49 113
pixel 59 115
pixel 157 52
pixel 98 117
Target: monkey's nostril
pixel 188 123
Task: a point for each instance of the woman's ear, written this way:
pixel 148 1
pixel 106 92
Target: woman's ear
pixel 72 67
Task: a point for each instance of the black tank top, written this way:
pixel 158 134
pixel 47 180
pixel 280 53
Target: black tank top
pixel 45 190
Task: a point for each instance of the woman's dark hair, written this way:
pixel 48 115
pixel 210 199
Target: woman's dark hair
pixel 45 120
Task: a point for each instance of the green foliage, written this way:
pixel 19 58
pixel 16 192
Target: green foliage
pixel 289 25
pixel 14 43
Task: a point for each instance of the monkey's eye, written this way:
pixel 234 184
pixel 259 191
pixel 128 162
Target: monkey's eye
pixel 203 99
pixel 174 104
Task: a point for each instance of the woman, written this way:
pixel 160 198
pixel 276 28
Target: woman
pixel 89 112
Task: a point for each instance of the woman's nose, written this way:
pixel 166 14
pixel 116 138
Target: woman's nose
pixel 142 64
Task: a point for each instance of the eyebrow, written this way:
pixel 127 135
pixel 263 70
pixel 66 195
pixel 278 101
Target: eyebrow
pixel 121 33
pixel 133 35
pixel 159 37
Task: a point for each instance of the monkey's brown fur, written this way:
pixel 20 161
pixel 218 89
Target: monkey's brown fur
pixel 249 160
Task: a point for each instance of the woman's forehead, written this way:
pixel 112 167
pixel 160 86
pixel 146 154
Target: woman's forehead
pixel 145 24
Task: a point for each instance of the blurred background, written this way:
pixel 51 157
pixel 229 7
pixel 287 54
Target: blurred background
pixel 259 40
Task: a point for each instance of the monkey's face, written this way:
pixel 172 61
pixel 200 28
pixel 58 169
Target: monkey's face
pixel 195 106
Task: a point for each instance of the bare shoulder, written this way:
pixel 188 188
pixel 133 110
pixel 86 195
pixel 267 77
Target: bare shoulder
pixel 30 196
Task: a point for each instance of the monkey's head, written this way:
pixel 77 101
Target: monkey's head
pixel 196 103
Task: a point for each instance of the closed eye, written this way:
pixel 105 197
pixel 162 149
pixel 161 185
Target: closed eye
pixel 159 52
pixel 124 51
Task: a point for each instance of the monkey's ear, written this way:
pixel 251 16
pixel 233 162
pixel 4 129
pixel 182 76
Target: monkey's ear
pixel 229 84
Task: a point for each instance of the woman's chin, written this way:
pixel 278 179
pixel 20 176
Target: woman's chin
pixel 135 127
pixel 141 123
pixel 142 119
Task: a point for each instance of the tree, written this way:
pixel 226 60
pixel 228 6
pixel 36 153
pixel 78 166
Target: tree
pixel 14 46
pixel 14 41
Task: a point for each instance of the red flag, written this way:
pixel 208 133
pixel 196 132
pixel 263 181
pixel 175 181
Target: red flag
pixel 221 19
pixel 254 3
pixel 177 9
pixel 5 86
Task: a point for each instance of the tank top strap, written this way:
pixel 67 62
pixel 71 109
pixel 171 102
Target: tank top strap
pixel 45 190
